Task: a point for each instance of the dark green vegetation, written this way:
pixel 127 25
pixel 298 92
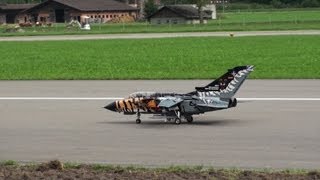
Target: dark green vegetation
pixel 287 57
pixel 233 21
pixel 255 4
pixel 57 170
pixel 278 5
pixel 274 17
pixel 150 7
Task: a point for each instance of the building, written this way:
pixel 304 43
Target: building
pixel 9 12
pixel 181 14
pixel 211 10
pixel 60 11
pixel 66 10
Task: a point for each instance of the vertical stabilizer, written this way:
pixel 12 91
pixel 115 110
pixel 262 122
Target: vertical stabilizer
pixel 228 84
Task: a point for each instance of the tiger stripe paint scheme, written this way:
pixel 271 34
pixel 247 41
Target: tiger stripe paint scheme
pixel 132 105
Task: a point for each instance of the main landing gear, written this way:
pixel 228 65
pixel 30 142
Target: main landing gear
pixel 189 118
pixel 177 120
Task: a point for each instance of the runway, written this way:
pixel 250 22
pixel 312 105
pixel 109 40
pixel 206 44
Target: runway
pixel 274 133
pixel 159 35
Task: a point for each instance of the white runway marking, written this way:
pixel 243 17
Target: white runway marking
pixel 117 98
pixel 278 99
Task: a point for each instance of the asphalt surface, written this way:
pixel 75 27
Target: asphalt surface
pixel 256 134
pixel 159 35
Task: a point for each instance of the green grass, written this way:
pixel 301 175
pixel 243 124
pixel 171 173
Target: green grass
pixel 271 17
pixel 9 163
pixel 254 7
pixel 235 21
pixel 288 57
pixel 58 170
pixel 139 168
pixel 218 25
pixel 229 172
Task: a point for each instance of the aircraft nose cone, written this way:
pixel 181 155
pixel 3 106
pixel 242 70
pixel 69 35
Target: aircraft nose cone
pixel 111 106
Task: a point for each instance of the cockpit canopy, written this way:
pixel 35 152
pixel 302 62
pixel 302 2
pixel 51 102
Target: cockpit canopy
pixel 142 94
pixel 148 94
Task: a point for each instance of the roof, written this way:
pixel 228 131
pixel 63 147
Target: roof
pixel 91 5
pixel 16 6
pixel 187 11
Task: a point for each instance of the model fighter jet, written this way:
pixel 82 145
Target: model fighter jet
pixel 217 95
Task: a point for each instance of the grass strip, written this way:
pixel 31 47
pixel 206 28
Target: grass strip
pixel 275 57
pixel 56 169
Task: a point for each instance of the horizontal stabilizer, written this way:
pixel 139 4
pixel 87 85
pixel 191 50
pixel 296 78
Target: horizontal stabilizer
pixel 210 88
pixel 212 106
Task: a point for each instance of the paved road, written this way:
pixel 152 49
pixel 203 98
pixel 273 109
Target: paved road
pixel 157 35
pixel 277 134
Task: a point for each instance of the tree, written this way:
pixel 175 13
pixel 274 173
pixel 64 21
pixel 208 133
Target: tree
pixel 149 8
pixel 276 3
pixel 200 4
pixel 310 3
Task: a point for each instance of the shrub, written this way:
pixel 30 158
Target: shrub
pixel 310 3
pixel 243 6
pixel 277 4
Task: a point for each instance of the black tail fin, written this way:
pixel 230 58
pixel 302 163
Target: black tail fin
pixel 228 84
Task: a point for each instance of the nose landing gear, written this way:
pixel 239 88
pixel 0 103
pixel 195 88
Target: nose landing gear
pixel 138 120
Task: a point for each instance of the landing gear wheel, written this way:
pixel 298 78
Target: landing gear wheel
pixel 177 121
pixel 189 119
pixel 138 121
